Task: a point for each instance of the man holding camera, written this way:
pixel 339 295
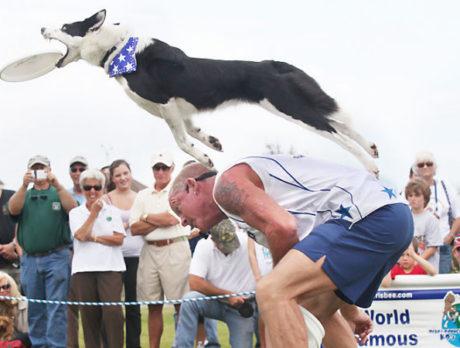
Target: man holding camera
pixel 44 235
pixel 220 266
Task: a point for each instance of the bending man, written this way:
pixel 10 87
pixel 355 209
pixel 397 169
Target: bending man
pixel 334 232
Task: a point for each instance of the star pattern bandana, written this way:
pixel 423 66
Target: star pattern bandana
pixel 125 61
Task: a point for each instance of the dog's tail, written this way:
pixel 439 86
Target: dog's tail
pixel 294 93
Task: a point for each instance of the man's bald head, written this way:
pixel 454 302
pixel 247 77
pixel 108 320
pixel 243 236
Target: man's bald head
pixel 192 170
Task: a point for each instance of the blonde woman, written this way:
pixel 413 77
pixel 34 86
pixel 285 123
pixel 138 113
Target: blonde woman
pixel 15 310
pixel 97 262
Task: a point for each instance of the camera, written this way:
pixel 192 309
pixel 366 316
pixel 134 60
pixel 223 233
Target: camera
pixel 245 309
pixel 39 174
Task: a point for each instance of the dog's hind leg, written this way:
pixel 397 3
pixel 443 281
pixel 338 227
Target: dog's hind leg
pixel 175 123
pixel 345 142
pixel 342 124
pixel 197 133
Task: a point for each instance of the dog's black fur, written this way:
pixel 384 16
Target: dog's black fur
pixel 208 83
pixel 169 84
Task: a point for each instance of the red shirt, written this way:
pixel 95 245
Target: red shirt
pixel 397 270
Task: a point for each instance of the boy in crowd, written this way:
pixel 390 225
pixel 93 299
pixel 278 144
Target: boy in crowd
pixel 456 249
pixel 410 263
pixel 426 225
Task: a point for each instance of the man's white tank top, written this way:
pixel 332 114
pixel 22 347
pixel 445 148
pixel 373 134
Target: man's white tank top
pixel 315 191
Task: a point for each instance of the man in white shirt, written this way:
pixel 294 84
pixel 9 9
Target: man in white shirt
pixel 165 257
pixel 220 266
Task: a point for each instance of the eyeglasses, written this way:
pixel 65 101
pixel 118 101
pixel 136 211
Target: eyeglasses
pixel 5 287
pixel 423 164
pixel 34 198
pixel 160 167
pixel 74 170
pixel 89 187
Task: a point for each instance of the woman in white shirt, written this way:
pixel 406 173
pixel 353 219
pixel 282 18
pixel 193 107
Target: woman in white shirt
pixel 97 262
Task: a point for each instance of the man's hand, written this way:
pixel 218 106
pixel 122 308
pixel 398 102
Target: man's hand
pixel 52 180
pixel 236 300
pixel 361 325
pixel 8 251
pixel 27 179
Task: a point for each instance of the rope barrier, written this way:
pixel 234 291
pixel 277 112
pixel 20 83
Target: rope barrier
pixel 75 303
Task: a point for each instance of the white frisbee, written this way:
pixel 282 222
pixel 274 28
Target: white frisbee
pixel 30 67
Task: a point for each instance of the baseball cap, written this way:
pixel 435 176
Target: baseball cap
pixel 225 237
pixel 78 159
pixel 457 242
pixel 162 156
pixel 40 160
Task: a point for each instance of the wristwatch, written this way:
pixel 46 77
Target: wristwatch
pixel 144 217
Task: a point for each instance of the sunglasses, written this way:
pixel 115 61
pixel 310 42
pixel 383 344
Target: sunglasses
pixel 423 164
pixel 89 187
pixel 34 198
pixel 203 176
pixel 74 170
pixel 5 287
pixel 160 167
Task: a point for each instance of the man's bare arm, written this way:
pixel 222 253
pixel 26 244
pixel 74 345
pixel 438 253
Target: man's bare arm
pixel 206 288
pixel 240 191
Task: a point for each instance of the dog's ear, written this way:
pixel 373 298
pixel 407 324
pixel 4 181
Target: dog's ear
pixel 97 20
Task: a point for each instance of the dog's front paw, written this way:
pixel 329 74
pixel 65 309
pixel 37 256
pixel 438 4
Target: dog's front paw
pixel 215 143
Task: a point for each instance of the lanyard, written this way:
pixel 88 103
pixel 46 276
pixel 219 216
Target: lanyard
pixel 435 195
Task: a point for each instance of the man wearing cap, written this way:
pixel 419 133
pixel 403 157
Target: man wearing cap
pixel 220 266
pixel 78 164
pixel 165 257
pixel 44 236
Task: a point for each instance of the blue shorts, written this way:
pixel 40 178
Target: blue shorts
pixel 358 256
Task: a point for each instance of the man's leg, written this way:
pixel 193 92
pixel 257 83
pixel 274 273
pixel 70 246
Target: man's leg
pixel 57 281
pixel 241 329
pixel 338 332
pixel 32 284
pixel 188 319
pixel 155 324
pixel 210 327
pixel 295 274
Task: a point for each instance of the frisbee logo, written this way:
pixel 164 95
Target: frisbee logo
pixel 451 320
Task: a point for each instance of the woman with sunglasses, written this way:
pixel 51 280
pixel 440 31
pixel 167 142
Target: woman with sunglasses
pixel 97 264
pixel 443 203
pixel 15 310
pixel 121 199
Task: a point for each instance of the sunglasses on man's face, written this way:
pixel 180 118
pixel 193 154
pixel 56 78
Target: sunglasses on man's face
pixel 74 170
pixel 5 287
pixel 423 164
pixel 34 198
pixel 89 187
pixel 164 168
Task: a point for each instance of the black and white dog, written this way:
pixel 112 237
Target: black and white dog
pixel 169 84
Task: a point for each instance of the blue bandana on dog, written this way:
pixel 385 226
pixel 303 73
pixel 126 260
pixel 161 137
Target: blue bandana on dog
pixel 125 61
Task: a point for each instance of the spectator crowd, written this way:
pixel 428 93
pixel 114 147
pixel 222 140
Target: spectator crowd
pixel 105 237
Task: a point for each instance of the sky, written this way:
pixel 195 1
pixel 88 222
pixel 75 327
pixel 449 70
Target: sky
pixel 393 66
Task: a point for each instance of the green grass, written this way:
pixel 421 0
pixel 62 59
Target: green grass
pixel 168 330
